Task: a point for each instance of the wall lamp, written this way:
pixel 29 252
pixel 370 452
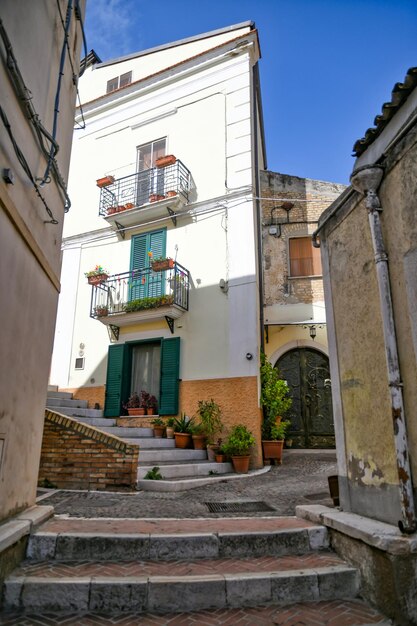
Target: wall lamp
pixel 312 329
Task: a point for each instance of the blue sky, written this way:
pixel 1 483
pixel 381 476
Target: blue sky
pixel 327 65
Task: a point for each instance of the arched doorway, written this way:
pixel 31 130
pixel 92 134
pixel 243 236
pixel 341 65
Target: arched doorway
pixel 308 375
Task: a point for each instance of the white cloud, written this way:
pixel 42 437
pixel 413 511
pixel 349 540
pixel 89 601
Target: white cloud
pixel 113 27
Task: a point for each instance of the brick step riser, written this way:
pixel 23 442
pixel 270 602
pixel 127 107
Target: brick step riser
pixel 173 547
pixel 165 595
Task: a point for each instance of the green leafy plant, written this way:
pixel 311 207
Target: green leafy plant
pixel 276 432
pixel 239 442
pixel 210 416
pixel 153 474
pixel 183 424
pixel 142 304
pixel 170 422
pixel 157 421
pixel 275 398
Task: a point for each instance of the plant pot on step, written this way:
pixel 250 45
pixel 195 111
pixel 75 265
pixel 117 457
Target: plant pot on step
pixel 183 440
pixel 170 432
pixel 158 431
pixel 272 450
pixel 220 458
pixel 212 450
pixel 241 464
pixel 199 442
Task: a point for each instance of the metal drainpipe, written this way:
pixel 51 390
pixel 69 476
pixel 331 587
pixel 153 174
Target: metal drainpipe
pixel 366 180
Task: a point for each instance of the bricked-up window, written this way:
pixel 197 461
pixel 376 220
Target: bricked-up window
pixel 119 81
pixel 304 258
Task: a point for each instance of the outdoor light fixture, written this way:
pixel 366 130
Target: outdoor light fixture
pixel 313 332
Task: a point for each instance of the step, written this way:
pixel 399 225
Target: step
pixel 77 412
pixel 122 431
pixel 174 455
pixel 97 422
pixel 187 469
pixel 179 586
pixel 149 443
pixel 67 402
pixel 59 394
pixel 184 484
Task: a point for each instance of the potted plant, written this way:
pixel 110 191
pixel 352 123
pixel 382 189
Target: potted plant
pixel 133 405
pixel 276 401
pixel 97 276
pixel 170 427
pixel 221 456
pixel 155 197
pixel 238 446
pixel 105 181
pixel 101 311
pixel 209 413
pixel 161 264
pixel 158 427
pixel 183 428
pixel 166 160
pixel 151 405
pixel 199 437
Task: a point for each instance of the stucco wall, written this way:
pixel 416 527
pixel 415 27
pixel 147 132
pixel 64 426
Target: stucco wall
pixel 29 246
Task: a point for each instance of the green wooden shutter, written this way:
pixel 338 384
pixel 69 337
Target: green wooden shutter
pixel 116 379
pixel 170 368
pixel 146 284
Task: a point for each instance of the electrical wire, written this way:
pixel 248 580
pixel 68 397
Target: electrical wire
pixel 23 162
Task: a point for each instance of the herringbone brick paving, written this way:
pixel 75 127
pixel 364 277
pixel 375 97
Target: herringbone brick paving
pixel 197 567
pixel 339 613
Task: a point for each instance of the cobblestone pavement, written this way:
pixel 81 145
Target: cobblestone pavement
pixel 339 613
pixel 301 479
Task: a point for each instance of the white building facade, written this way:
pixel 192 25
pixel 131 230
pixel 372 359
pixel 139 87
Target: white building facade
pixel 192 331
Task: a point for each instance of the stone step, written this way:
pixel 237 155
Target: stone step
pixel 180 586
pixel 173 455
pixel 59 394
pixel 97 422
pixel 184 484
pixel 149 443
pixel 77 412
pixel 121 431
pixel 67 402
pixel 182 470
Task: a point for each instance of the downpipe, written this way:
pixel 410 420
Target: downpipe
pixel 366 180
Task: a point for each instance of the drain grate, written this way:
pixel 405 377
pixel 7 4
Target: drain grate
pixel 238 507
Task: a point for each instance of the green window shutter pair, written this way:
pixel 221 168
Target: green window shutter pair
pixel 146 284
pixel 118 377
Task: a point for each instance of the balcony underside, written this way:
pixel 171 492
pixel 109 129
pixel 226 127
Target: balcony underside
pixel 171 311
pixel 138 215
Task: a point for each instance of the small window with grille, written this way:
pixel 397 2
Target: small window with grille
pixel 118 82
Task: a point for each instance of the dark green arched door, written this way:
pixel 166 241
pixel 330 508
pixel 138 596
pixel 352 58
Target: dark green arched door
pixel 307 372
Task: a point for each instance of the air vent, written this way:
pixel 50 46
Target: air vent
pixel 79 363
pixel 238 507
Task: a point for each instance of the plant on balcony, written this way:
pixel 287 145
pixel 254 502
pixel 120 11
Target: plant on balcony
pixel 162 263
pixel 97 276
pixel 133 405
pixel 141 304
pixel 105 181
pixel 101 311
pixel 166 160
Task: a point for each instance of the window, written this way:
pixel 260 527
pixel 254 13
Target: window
pixel 151 180
pixel 304 258
pixel 119 81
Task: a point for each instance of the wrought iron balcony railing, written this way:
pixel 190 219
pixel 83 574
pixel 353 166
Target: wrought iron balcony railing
pixel 140 290
pixel 153 185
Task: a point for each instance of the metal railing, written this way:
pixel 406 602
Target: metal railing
pixel 140 289
pixel 143 187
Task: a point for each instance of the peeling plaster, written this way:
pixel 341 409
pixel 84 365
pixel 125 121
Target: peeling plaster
pixel 365 473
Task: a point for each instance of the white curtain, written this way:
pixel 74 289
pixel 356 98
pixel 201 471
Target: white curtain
pixel 146 367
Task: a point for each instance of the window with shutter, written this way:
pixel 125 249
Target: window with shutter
pixel 305 260
pixel 143 282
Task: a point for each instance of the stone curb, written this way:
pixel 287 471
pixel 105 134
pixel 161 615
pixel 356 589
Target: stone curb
pixel 184 485
pixel 13 530
pixel 171 546
pixel 185 593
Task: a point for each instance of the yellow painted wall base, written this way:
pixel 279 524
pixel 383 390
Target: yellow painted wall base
pixel 94 395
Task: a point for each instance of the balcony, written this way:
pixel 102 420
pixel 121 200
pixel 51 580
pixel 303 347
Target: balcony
pixel 154 193
pixel 141 295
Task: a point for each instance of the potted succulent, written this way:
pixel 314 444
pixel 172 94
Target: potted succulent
pixel 276 401
pixel 105 181
pixel 199 437
pixel 158 427
pixel 183 428
pixel 166 160
pixel 170 427
pixel 133 406
pixel 238 447
pixel 209 413
pixel 162 263
pixel 97 276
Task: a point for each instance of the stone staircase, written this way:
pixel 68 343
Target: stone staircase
pixel 180 469
pixel 134 566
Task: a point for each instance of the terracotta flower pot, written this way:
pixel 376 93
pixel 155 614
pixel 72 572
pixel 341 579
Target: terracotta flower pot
pixel 154 197
pixel 220 458
pixel 150 411
pixel 138 411
pixel 160 266
pixel 158 431
pixel 111 210
pixel 171 194
pixel 170 432
pixel 103 182
pixel 211 452
pixel 272 450
pixel 199 442
pixel 97 279
pixel 241 464
pixel 183 440
pixel 101 311
pixel 169 159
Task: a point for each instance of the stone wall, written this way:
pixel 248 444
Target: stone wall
pixel 77 456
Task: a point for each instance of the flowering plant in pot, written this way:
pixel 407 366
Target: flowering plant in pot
pixel 133 405
pixel 238 447
pixel 159 264
pixel 97 276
